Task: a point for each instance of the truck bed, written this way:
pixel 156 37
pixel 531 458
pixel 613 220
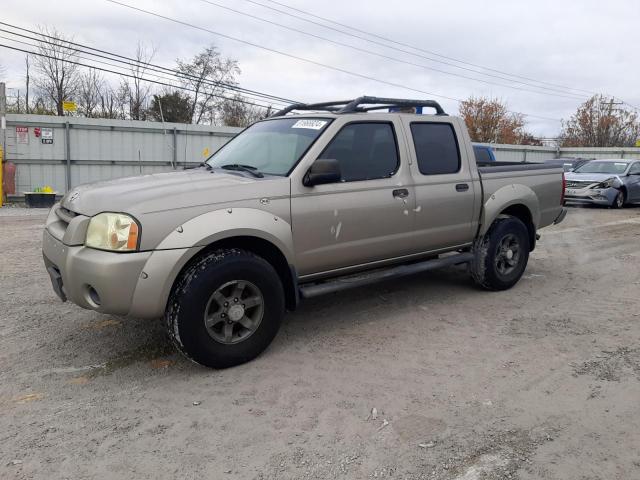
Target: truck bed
pixel 541 178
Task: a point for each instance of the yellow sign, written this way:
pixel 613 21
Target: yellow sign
pixel 205 152
pixel 69 106
pixel 638 143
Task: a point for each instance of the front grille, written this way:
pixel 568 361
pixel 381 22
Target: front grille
pixel 576 184
pixel 65 215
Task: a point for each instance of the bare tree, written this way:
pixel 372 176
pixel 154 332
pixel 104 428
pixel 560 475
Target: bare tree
pixel 600 122
pixel 57 78
pixel 489 121
pixel 238 113
pixel 138 91
pixel 90 87
pixel 206 74
pixel 113 102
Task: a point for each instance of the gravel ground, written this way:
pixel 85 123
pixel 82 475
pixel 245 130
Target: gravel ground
pixel 539 382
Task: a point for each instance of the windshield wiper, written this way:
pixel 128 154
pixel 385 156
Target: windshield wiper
pixel 244 168
pixel 205 165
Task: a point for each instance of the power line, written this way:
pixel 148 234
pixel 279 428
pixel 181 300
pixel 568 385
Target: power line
pixel 158 77
pixel 413 47
pixel 386 39
pixel 148 65
pixel 302 59
pixel 395 59
pixel 131 76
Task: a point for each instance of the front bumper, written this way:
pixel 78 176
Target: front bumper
pixel 93 279
pixel 595 196
pixel 136 284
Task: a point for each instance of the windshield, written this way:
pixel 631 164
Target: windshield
pixel 615 168
pixel 272 147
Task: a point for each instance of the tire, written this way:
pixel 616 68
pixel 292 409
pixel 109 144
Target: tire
pixel 232 334
pixel 620 200
pixel 493 268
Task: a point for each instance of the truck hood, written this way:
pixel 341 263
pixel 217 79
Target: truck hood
pixel 168 191
pixel 590 177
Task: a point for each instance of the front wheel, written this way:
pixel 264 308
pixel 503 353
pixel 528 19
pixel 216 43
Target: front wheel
pixel 618 202
pixel 226 308
pixel 501 255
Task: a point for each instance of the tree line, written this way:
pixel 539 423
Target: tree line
pixel 598 122
pixel 206 96
pixel 204 93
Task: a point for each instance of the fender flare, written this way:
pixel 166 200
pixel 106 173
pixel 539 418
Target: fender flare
pixel 503 198
pixel 217 225
pixel 189 239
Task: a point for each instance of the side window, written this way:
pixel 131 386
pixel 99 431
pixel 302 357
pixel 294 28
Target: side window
pixel 635 168
pixel 365 151
pixel 436 148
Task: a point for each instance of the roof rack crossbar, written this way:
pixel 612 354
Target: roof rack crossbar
pixel 311 106
pixel 351 106
pixel 393 102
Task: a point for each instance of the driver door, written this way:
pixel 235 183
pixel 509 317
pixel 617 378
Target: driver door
pixel 368 215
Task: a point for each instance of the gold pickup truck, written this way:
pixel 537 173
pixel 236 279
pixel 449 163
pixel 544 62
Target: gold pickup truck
pixel 298 205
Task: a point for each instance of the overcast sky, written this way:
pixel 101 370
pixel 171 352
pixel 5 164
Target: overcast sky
pixel 589 46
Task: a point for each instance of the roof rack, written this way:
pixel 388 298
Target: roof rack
pixel 359 105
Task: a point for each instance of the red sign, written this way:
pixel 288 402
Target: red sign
pixel 36 132
pixel 22 135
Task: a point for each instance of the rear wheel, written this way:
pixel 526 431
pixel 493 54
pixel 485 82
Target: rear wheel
pixel 501 255
pixel 226 308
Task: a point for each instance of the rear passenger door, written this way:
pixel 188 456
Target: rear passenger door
pixel 365 217
pixel 445 185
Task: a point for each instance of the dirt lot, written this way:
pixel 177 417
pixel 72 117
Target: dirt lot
pixel 540 382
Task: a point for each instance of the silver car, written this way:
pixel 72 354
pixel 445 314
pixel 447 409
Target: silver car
pixel 612 183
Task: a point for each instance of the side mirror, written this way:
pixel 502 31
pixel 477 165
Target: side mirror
pixel 323 170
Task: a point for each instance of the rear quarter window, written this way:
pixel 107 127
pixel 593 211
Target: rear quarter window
pixel 436 148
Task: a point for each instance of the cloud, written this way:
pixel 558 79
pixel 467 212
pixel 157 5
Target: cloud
pixel 584 45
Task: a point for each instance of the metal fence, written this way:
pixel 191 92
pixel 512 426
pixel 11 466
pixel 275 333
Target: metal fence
pixel 64 152
pixel 526 153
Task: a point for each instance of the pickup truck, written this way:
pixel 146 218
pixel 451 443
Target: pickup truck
pixel 316 199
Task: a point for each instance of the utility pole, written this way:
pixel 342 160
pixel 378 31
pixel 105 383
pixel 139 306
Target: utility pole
pixel 3 133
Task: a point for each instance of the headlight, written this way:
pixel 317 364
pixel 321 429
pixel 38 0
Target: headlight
pixel 606 184
pixel 113 231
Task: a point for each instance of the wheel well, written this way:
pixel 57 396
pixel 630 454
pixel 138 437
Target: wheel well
pixel 268 251
pixel 522 213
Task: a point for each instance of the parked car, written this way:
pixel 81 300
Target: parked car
pixel 612 183
pixel 294 207
pixel 483 153
pixel 569 164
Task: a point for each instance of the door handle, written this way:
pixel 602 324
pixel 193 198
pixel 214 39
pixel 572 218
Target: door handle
pixel 462 187
pixel 401 193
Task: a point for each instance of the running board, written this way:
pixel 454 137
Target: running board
pixel 353 281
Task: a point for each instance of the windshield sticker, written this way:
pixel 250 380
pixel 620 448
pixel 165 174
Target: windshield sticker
pixel 621 164
pixel 312 124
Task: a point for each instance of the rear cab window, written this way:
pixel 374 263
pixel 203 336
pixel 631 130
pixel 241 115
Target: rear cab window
pixel 365 151
pixel 436 146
